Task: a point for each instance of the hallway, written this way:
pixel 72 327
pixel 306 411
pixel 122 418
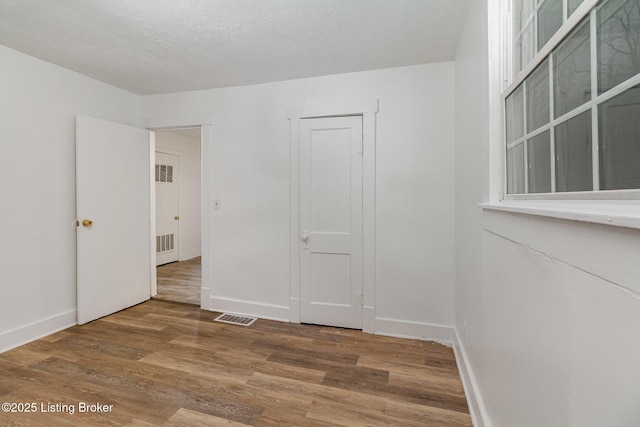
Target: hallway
pixel 180 281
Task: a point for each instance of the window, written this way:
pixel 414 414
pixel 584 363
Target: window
pixel 572 124
pixel 534 22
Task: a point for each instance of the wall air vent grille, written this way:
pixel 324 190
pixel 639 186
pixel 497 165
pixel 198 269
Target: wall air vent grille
pixel 235 319
pixel 164 173
pixel 164 243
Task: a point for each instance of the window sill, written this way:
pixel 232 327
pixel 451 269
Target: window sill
pixel 619 213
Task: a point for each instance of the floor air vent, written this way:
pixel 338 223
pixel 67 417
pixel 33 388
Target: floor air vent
pixel 235 319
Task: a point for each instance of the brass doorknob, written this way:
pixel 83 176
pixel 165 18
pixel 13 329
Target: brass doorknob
pixel 176 217
pixel 86 222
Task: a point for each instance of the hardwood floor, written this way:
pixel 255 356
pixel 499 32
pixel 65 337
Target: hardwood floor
pixel 166 364
pixel 180 281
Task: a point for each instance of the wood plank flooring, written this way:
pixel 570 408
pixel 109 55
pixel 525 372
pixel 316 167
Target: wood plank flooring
pixel 180 281
pixel 167 364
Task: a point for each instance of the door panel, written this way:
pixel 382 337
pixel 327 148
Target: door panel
pixel 331 221
pixel 330 169
pixel 330 279
pixel 112 191
pixel 167 208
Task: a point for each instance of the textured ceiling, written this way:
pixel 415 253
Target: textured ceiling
pixel 162 46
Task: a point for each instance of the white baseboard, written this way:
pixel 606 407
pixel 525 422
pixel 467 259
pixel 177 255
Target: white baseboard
pixel 205 298
pixel 189 253
pixel 250 308
pixel 294 310
pixel 368 319
pixel 471 390
pixel 414 330
pixel 36 330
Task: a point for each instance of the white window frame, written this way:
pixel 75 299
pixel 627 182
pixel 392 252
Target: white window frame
pixel 611 207
pixel 586 8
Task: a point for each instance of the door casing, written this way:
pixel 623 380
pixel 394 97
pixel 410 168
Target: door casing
pixel 205 122
pixel 367 109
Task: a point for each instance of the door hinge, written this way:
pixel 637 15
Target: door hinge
pixel 359 298
pixel 362 147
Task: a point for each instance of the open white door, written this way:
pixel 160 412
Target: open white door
pixel 331 250
pixel 113 210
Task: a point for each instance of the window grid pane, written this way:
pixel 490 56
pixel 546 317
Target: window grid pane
pixel 573 5
pixel 618 42
pixel 515 115
pixel 619 135
pixel 573 157
pixel 538 97
pixel 590 61
pixel 539 163
pixel 549 20
pixel 572 71
pixel 515 170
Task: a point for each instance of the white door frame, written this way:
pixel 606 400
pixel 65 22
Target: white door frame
pixel 367 109
pixel 205 122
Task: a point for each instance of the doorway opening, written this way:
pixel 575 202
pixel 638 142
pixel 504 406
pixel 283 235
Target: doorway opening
pixel 178 203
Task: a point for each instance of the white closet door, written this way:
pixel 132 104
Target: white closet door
pixel 331 221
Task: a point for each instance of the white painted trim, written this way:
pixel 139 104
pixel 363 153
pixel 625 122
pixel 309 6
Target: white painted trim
pixel 205 122
pixel 250 308
pixel 369 319
pixel 369 221
pixel 367 109
pixel 497 13
pixel 177 121
pixel 205 297
pixel 595 134
pixel 207 186
pixel 294 215
pixel 152 214
pixel 621 213
pixel 36 330
pixel 352 107
pixel 471 390
pixel 294 309
pixel 414 330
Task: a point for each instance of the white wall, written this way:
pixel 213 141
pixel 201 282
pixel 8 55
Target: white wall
pixel 415 236
pixel 471 153
pixel 415 205
pixel 189 151
pixel 38 106
pixel 547 311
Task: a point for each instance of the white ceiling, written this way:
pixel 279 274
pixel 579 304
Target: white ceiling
pixel 162 46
